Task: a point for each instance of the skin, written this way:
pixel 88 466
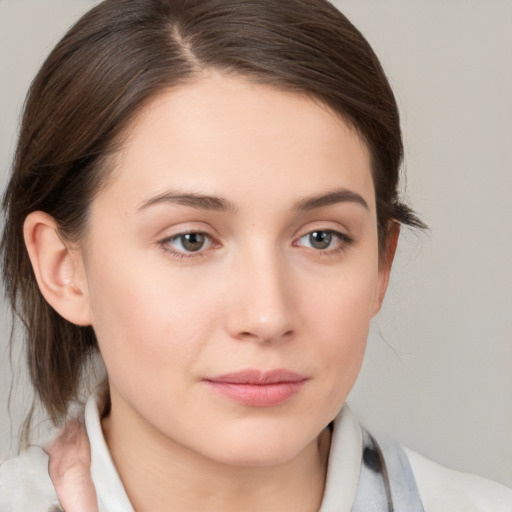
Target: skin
pixel 257 295
pixel 69 469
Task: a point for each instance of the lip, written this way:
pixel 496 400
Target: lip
pixel 258 388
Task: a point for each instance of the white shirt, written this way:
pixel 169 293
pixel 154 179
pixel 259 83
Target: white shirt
pixel 25 485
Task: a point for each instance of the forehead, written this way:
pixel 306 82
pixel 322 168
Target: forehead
pixel 228 136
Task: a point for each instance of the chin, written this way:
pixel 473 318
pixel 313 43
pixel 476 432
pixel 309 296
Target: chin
pixel 262 448
pixel 258 458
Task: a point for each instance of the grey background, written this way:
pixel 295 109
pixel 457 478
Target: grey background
pixel 437 374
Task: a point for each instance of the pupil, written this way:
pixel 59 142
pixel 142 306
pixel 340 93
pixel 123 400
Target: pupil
pixel 192 241
pixel 320 239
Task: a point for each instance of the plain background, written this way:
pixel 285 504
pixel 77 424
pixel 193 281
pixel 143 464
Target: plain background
pixel 438 371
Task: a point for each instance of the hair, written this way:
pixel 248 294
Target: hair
pixel 108 66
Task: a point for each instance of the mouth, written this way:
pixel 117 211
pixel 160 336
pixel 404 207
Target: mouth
pixel 256 388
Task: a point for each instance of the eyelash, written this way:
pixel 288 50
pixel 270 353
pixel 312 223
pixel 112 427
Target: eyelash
pixel 344 242
pixel 165 244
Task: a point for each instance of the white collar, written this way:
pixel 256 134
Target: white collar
pixel 344 462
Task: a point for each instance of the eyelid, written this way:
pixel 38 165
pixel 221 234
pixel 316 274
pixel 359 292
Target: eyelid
pixel 344 241
pixel 165 244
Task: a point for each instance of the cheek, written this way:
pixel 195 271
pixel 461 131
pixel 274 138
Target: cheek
pixel 148 323
pixel 342 316
pixel 343 302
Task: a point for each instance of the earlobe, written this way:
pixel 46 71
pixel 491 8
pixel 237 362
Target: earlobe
pixel 59 269
pixel 385 265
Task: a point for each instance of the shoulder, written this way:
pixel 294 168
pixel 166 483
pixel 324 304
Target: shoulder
pixel 445 490
pixel 25 483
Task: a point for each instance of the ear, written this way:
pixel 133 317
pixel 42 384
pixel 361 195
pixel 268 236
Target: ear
pixel 385 265
pixel 58 268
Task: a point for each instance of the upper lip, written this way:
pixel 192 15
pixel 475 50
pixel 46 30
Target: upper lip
pixel 252 376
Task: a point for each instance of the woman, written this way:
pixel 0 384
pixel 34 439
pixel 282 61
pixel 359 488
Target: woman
pixel 205 192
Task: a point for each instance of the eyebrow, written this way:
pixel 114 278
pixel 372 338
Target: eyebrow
pixel 220 204
pixel 192 199
pixel 342 195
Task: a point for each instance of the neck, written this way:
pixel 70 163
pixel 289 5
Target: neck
pixel 159 474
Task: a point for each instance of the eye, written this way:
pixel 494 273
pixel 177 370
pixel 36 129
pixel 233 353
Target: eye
pixel 324 240
pixel 185 243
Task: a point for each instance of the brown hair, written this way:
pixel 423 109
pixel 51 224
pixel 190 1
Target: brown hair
pixel 103 72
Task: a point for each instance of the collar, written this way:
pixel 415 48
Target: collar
pixel 343 466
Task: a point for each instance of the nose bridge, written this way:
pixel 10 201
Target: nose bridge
pixel 262 306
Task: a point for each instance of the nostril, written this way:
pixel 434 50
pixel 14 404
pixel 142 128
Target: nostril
pixel 247 335
pixel 265 337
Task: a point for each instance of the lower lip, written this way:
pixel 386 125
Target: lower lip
pixel 258 395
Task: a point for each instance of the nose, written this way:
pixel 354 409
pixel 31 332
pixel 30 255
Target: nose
pixel 261 306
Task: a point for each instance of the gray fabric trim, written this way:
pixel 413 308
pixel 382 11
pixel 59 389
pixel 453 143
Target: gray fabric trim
pixel 404 491
pixel 386 480
pixel 373 493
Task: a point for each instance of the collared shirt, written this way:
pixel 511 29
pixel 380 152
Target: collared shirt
pixel 363 475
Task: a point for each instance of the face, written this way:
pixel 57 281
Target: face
pixel 232 269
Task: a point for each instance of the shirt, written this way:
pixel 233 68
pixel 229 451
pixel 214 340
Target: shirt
pixel 364 475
